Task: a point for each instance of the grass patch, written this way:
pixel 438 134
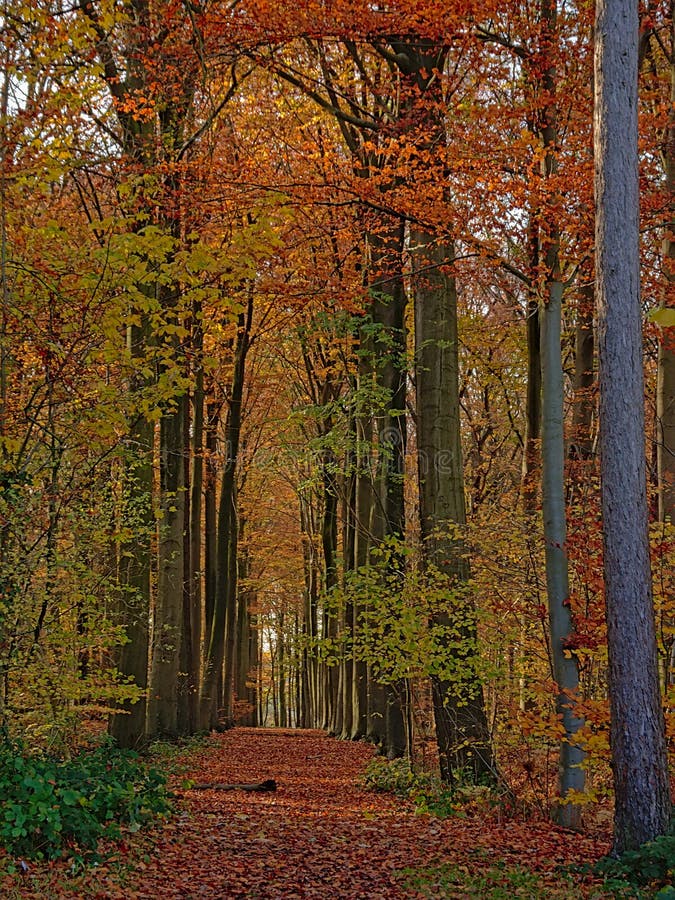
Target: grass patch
pixel 497 882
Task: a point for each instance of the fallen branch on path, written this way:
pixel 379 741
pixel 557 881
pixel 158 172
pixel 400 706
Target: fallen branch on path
pixel 268 785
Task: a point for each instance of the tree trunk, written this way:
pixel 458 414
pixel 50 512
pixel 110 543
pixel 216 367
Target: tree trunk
pixel 459 711
pixel 665 396
pixel 243 625
pixel 329 535
pixel 168 622
pixel 532 449
pixel 389 300
pixel 281 667
pixel 210 529
pixel 128 726
pixel 348 538
pixel 311 667
pixel 565 666
pixel 581 447
pixel 187 676
pixel 363 528
pixel 195 533
pixel 639 762
pixel 225 545
pixel 230 584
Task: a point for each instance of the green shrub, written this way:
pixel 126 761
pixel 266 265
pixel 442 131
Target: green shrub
pixel 390 777
pixel 652 864
pixel 429 794
pixel 51 806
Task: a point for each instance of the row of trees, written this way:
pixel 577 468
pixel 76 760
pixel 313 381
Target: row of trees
pixel 282 287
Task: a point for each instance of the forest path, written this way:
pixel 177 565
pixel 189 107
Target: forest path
pixel 321 835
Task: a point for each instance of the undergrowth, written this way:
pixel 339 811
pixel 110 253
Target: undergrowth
pixel 648 871
pixel 430 795
pixel 64 807
pixel 497 882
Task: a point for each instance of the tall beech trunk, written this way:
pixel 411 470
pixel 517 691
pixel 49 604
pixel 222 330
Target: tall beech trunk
pixel 152 144
pixel 665 394
pixel 363 529
pixel 639 762
pixel 347 664
pixel 459 710
pixel 532 450
pixel 230 582
pixel 311 668
pixel 281 668
pixel 128 726
pixel 386 725
pixel 210 526
pixel 223 627
pixel 253 693
pixel 188 677
pixel 565 665
pixel 329 534
pixel 195 530
pixel 581 446
pixel 171 640
pixel 247 658
pixel 167 631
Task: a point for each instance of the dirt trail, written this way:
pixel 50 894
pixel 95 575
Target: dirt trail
pixel 320 835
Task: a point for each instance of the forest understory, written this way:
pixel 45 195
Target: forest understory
pixel 321 835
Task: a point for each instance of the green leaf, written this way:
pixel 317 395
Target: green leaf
pixel 664 316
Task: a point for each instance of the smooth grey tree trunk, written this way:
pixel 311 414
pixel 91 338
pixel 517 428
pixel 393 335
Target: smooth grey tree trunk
pixel 364 509
pixel 565 668
pixel 312 668
pixel 386 725
pixel 459 709
pixel 167 632
pixel 348 538
pixel 247 636
pixel 221 638
pixel 195 531
pixel 210 527
pixel 639 761
pixel 128 726
pixel 581 446
pixel 565 665
pixel 665 394
pixel 532 450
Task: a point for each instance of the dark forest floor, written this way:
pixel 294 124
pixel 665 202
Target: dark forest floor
pixel 321 835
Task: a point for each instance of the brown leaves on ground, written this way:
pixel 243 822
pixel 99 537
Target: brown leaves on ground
pixel 321 835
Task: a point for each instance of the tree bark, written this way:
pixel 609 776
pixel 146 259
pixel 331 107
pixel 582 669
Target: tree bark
pixel 639 762
pixel 581 446
pixel 532 449
pixel 459 710
pixel 168 625
pixel 386 725
pixel 665 394
pixel 128 726
pixel 223 628
pixel 247 658
pixel 565 666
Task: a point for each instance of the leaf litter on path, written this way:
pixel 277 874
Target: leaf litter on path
pixel 320 835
